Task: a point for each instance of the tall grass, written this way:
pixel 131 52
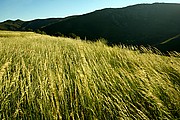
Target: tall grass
pixel 43 77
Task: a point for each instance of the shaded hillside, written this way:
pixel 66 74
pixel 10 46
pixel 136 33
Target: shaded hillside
pixel 39 23
pixel 172 44
pixel 27 25
pixel 11 25
pixel 32 25
pixel 138 24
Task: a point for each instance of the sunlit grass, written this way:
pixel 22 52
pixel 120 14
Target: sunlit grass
pixel 43 77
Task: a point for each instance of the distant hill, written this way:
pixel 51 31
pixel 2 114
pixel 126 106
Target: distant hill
pixel 142 24
pixel 39 23
pixel 11 25
pixel 28 25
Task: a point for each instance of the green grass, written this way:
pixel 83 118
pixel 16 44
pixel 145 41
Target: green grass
pixel 43 77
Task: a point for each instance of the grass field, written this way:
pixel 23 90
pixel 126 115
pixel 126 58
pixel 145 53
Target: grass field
pixel 44 77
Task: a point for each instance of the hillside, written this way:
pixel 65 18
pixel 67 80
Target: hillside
pixel 33 25
pixel 138 25
pixel 44 77
pixel 11 25
pixel 39 23
pixel 171 44
pixel 142 24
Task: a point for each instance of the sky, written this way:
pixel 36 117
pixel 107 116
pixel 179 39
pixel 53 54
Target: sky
pixel 40 9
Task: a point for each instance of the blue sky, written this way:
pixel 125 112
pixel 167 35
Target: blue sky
pixel 33 9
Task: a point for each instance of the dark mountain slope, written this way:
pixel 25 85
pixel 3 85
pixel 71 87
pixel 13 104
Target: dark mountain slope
pixel 172 44
pixel 11 25
pixel 30 25
pixel 138 24
pixel 39 23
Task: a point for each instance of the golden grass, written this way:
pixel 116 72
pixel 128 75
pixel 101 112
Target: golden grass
pixel 43 77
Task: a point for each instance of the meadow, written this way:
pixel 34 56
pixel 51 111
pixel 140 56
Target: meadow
pixel 45 77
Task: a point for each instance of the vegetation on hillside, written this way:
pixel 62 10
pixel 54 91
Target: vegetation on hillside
pixel 43 77
pixel 11 25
